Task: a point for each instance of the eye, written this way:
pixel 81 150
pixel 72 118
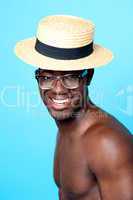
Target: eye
pixel 46 78
pixel 72 76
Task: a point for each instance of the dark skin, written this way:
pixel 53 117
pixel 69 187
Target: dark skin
pixel 94 151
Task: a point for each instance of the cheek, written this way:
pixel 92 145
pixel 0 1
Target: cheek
pixel 41 93
pixel 80 92
pixel 78 98
pixel 44 96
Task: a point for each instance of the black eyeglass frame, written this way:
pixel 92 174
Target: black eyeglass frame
pixel 55 77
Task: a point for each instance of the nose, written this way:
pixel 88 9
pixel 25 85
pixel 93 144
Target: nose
pixel 58 87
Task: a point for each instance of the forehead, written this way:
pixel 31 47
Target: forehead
pixel 43 71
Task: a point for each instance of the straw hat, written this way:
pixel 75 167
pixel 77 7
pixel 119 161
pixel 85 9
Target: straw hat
pixel 63 43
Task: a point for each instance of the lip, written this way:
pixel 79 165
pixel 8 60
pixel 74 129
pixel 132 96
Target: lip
pixel 59 103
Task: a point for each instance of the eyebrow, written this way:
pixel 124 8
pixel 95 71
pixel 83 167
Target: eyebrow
pixel 51 72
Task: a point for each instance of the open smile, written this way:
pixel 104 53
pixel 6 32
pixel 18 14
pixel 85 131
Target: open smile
pixel 59 103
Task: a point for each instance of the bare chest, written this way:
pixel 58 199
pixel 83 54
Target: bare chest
pixel 71 171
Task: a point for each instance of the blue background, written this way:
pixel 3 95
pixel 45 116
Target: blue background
pixel 28 134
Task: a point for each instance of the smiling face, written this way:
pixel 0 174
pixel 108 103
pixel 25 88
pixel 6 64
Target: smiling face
pixel 63 102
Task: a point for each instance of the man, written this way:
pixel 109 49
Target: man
pixel 94 152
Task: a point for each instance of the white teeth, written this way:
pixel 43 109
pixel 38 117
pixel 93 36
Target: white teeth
pixel 60 101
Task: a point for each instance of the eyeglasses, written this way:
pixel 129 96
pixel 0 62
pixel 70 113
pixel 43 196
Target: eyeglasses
pixel 69 81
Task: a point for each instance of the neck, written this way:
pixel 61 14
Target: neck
pixel 71 123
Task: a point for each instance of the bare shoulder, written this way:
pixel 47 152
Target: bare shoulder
pixel 109 143
pixel 106 125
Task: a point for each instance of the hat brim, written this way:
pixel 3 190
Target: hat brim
pixel 25 50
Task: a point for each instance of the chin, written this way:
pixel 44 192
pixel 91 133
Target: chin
pixel 61 115
pixel 64 114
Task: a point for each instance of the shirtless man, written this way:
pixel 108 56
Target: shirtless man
pixel 94 151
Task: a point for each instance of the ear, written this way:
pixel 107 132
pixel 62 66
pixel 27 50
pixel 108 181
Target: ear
pixel 90 75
